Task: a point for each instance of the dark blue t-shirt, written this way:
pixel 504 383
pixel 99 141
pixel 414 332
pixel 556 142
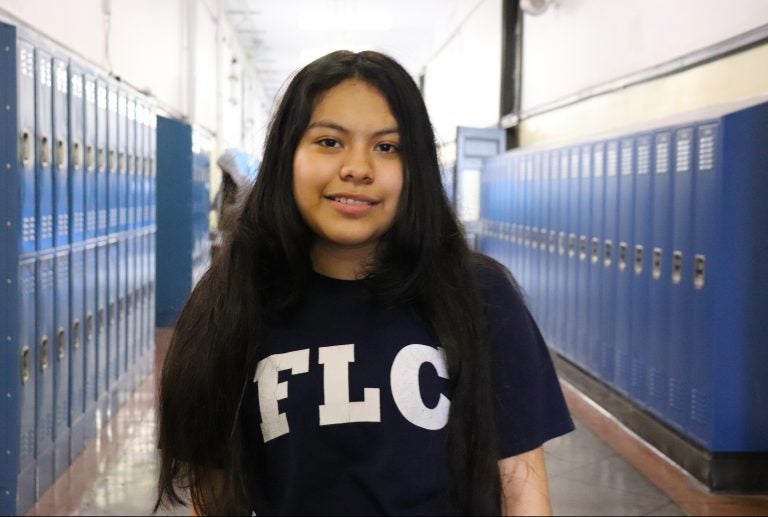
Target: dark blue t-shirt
pixel 347 409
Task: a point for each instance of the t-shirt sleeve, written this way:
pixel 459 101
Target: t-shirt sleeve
pixel 529 404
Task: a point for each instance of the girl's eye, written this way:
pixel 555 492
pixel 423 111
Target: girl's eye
pixel 328 142
pixel 388 148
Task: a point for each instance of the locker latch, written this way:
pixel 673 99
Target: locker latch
pixel 111 314
pixel 583 248
pixel 61 342
pixel 44 353
pixel 89 155
pixel 656 263
pixel 89 327
pixel 77 159
pixel 45 154
pixel 552 241
pixel 76 334
pixel 572 245
pixel 121 160
pixel 25 372
pixel 26 147
pixel 677 267
pixel 622 256
pixel 101 164
pixel 561 243
pixel 638 260
pixel 595 250
pixel 61 154
pixel 699 265
pixel 608 258
pixel 112 160
pixel 100 321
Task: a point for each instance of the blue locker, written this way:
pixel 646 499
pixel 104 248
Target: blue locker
pixel 707 175
pixel 660 263
pixel 77 352
pixel 122 160
pixel 45 342
pixel 105 321
pixel 153 169
pixel 77 154
pixel 582 265
pixel 59 353
pixel 131 307
pixel 118 392
pixel 89 152
pixel 60 123
pixel 27 138
pixel 113 171
pixel 624 305
pixel 551 179
pixel 640 269
pixel 562 255
pixel 597 230
pixel 112 267
pixel 680 274
pixel 544 254
pixel 94 338
pixel 102 159
pixel 141 163
pixel 572 269
pixel 609 262
pixel 131 146
pixel 44 149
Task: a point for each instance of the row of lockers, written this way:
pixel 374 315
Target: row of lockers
pixel 85 144
pixel 638 255
pixel 77 257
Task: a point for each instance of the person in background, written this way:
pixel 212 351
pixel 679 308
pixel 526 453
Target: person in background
pixel 347 353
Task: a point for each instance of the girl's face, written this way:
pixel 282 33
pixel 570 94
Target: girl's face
pixel 348 170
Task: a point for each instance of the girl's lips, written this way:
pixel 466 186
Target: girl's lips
pixel 351 205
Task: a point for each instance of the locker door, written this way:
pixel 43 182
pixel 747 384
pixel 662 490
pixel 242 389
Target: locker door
pixel 59 352
pixel 94 336
pixel 104 322
pixel 680 275
pixel 122 160
pixel 583 271
pixel 113 171
pixel 101 177
pixel 112 267
pixel 562 252
pixel 610 268
pixel 27 361
pixel 76 154
pixel 624 305
pixel 60 123
pixel 45 342
pixel 661 257
pixel 707 178
pixel 27 139
pixel 77 351
pixel 131 162
pixel 640 269
pixel 573 189
pixel 44 150
pixel 597 231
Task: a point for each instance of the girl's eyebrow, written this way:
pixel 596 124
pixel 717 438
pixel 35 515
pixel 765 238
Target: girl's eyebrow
pixel 338 127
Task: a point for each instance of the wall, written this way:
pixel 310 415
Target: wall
pixel 578 45
pixel 463 75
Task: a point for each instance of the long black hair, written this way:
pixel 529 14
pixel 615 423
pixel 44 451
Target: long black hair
pixel 422 261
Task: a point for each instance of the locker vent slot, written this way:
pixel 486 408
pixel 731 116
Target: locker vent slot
pixel 699 268
pixel 622 256
pixel 677 267
pixel 638 260
pixel 656 263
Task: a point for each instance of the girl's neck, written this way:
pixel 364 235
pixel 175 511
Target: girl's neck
pixel 342 263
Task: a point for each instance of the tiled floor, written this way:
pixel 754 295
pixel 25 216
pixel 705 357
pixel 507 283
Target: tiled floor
pixel 588 475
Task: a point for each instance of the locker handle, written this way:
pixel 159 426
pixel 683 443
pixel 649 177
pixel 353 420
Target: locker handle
pixel 112 160
pixel 100 321
pixel 677 267
pixel 61 154
pixel 25 371
pixel 45 153
pixel 101 160
pixel 77 158
pixel 622 256
pixel 656 263
pixel 552 241
pixel 44 354
pixel 638 260
pixel 26 147
pixel 111 314
pixel 595 250
pixel 571 245
pixel 89 327
pixel 582 248
pixel 608 259
pixel 131 165
pixel 61 342
pixel 699 265
pixel 76 334
pixel 89 155
pixel 121 160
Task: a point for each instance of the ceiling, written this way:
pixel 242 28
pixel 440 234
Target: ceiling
pixel 280 36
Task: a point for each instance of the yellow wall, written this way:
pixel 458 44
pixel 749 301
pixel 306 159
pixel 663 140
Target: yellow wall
pixel 736 77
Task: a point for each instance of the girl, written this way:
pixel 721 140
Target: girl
pixel 347 353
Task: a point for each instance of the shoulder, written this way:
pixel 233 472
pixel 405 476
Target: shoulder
pixel 496 285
